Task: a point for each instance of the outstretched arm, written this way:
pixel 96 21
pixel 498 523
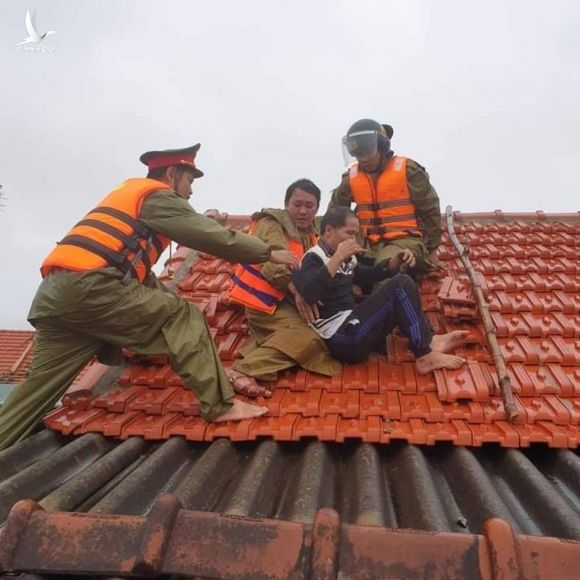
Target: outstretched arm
pixel 171 215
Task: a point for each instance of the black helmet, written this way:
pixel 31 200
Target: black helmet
pixel 368 127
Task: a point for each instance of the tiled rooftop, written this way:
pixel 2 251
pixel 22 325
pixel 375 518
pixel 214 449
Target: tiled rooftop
pixel 15 354
pixel 530 273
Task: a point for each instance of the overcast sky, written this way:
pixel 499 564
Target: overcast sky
pixel 484 94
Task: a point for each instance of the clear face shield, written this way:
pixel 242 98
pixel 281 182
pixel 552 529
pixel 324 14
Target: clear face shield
pixel 359 147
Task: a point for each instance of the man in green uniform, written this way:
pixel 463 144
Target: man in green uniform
pixel 283 339
pixel 78 312
pixel 369 143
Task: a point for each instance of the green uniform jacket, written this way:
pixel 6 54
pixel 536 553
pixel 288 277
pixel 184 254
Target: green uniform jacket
pixel 78 315
pixel 281 340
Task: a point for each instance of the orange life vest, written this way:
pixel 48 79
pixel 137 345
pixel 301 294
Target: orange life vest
pixel 250 289
pixel 112 235
pixel 384 209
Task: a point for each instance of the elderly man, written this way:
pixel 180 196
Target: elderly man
pixel 98 291
pixel 352 331
pixel 277 314
pixel 396 205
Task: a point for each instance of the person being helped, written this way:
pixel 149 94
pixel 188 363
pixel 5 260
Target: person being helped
pixel 396 205
pixel 98 292
pixel 352 331
pixel 277 315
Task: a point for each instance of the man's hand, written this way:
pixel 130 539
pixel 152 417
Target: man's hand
pixel 309 312
pixel 347 249
pixel 284 257
pixel 216 215
pixel 405 257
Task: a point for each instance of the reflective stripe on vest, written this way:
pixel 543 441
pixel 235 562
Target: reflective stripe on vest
pixel 384 209
pixel 112 235
pixel 249 287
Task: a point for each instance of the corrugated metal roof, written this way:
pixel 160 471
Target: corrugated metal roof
pixel 447 490
pixel 442 488
pixel 529 270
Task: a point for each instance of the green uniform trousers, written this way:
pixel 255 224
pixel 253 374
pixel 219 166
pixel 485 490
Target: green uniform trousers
pixel 77 314
pixel 281 341
pixel 386 250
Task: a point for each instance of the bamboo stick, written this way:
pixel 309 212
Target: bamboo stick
pixel 503 377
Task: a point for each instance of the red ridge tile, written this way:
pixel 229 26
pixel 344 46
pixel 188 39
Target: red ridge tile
pixel 468 382
pixel 542 432
pixel 235 431
pixel 380 405
pixel 153 402
pixel 426 406
pixel 547 408
pixel 501 432
pixel 324 428
pixel 192 428
pixel 306 404
pixel 110 425
pixel 455 431
pixel 346 404
pixel 369 429
pixel 364 376
pixel 413 431
pixel 151 426
pixel 281 429
pixel 69 421
pixel 116 402
pixel 183 402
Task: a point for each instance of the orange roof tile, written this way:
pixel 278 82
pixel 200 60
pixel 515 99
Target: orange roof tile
pixel 15 354
pixel 530 274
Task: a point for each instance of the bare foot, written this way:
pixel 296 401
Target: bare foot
pixel 240 410
pixel 246 385
pixel 447 342
pixel 438 360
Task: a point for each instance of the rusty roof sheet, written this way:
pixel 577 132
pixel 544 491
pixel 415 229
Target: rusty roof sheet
pixel 530 273
pixel 264 501
pixel 171 540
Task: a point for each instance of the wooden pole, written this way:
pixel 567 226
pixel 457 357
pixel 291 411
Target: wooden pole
pixel 503 377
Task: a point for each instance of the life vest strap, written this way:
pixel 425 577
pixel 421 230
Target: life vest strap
pixel 143 230
pixel 118 260
pixel 131 242
pixel 379 230
pixel 382 205
pixel 378 220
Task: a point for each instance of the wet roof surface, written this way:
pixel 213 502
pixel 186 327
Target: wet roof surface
pixel 530 274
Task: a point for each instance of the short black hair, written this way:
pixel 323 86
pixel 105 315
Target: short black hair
pixel 336 217
pixel 305 185
pixel 159 172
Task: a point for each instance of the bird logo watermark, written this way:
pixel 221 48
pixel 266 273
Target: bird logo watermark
pixel 34 38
